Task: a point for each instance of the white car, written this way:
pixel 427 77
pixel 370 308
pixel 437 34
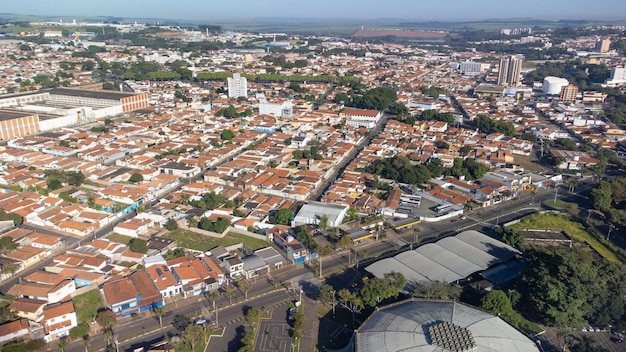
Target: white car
pixel 200 321
pixel 463 217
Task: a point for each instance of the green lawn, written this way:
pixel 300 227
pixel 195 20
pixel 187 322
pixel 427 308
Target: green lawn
pixel 191 240
pixel 87 305
pixel 550 221
pixel 559 204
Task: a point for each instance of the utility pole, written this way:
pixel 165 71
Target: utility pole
pixel 556 191
pixel 611 227
pixel 333 304
pixel 321 266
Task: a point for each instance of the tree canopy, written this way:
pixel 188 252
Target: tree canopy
pixel 488 125
pixel 609 197
pixel 569 289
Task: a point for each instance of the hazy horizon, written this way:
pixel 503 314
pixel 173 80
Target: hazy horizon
pixel 443 10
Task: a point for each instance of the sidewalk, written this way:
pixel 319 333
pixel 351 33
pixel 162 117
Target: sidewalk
pixel 310 327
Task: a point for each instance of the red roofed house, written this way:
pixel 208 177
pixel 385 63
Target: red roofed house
pixel 58 320
pixel 131 295
pixel 14 330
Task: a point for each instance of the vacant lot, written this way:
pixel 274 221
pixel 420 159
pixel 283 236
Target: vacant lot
pixel 198 242
pixel 574 229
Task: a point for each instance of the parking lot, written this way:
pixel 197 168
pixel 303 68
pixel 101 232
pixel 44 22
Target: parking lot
pixel 274 334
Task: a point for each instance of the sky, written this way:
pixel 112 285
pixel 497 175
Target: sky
pixel 349 9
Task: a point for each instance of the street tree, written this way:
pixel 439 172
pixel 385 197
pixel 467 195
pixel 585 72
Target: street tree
pixel 192 334
pixel 245 287
pixel 350 301
pixel 327 294
pixel 79 331
pixel 213 295
pixel 106 319
pixel 229 293
pixel 344 242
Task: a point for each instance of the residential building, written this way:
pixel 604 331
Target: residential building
pixel 237 86
pixel 131 295
pixel 58 320
pixel 568 93
pixel 603 45
pixel 31 309
pixel 509 71
pixel 296 252
pixel 14 330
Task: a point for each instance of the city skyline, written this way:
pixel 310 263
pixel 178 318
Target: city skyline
pixel 450 10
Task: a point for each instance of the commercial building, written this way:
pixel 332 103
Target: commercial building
pixel 429 326
pixel 509 71
pixel 553 85
pixel 237 86
pixel 276 109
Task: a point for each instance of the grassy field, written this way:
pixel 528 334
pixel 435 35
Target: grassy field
pixel 574 229
pixel 87 305
pixel 116 237
pixel 191 240
pixel 529 163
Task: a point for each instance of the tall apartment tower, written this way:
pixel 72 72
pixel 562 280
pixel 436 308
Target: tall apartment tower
pixel 509 71
pixel 568 93
pixel 237 86
pixel 603 45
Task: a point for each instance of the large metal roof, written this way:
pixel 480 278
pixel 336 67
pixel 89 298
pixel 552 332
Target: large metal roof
pixel 448 260
pixel 405 327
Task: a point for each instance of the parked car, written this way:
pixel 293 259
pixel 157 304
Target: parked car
pixel 200 321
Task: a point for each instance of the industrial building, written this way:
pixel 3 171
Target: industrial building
pixel 430 326
pixel 312 213
pixel 447 260
pixel 29 113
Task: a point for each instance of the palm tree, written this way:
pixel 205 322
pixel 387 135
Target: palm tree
pixel 213 297
pixel 62 343
pixel 159 311
pixel 229 294
pixel 86 342
pixel 245 288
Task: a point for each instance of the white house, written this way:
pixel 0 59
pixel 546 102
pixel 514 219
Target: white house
pixel 58 320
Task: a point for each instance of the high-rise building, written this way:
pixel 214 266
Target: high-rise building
pixel 603 45
pixel 568 93
pixel 237 86
pixel 509 71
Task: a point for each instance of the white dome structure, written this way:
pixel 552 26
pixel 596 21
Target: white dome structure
pixel 552 85
pixel 438 326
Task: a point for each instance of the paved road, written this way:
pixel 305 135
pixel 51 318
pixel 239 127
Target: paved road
pixel 231 316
